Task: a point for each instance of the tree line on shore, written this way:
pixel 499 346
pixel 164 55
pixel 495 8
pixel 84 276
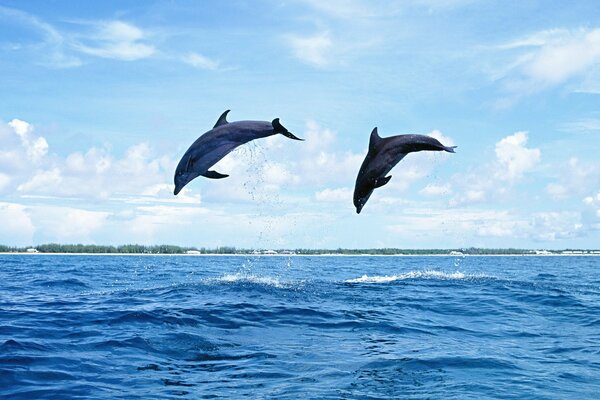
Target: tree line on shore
pixel 172 249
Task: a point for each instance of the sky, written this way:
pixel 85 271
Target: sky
pixel 101 99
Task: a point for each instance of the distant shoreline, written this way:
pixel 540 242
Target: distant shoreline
pixel 15 253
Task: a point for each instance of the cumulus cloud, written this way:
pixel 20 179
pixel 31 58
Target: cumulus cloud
pixel 551 226
pixel 22 152
pixel 67 224
pixel 35 148
pixel 514 159
pixel 591 212
pixel 338 195
pixel 574 178
pixel 459 222
pixel 489 225
pixel 494 179
pixel 321 163
pixel 42 182
pixel 27 168
pixel 4 181
pixel 17 227
pixel 433 189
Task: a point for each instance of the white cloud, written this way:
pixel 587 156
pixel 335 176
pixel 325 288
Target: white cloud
pixel 199 61
pixel 433 189
pixel 459 222
pixel 314 50
pixel 351 9
pixel 551 226
pixel 551 57
pixel 558 61
pixel 117 40
pixel 16 227
pixel 591 212
pixel 489 225
pixel 150 221
pixel 276 174
pixel 514 158
pixel 574 178
pixel 42 182
pixel 586 126
pixel 338 195
pixel 36 148
pixel 494 179
pixel 52 47
pixel 317 138
pixel 4 181
pixel 94 174
pixel 70 225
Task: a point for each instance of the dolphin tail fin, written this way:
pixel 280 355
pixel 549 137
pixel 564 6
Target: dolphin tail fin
pixel 278 128
pixel 450 149
pixel 214 175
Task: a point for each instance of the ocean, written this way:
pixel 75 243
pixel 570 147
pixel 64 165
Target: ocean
pixel 291 327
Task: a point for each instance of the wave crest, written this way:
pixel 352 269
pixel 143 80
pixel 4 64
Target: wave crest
pixel 243 278
pixel 427 274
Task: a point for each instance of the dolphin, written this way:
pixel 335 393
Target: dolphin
pixel 215 144
pixel 383 155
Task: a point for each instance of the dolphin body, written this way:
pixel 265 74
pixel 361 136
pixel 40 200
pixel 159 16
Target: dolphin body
pixel 383 155
pixel 215 144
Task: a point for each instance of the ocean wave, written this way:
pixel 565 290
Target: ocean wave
pixel 427 274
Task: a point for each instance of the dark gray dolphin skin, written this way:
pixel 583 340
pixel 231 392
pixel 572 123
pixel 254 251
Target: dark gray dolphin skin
pixel 215 144
pixel 383 155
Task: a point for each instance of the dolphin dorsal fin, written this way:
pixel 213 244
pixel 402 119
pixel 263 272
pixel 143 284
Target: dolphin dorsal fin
pixel 222 119
pixel 374 140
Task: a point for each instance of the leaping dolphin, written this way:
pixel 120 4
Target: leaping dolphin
pixel 383 155
pixel 215 144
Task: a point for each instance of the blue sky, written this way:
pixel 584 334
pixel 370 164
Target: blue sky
pixel 100 100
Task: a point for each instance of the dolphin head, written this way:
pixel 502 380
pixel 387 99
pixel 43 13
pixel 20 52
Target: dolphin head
pixel 182 178
pixel 362 192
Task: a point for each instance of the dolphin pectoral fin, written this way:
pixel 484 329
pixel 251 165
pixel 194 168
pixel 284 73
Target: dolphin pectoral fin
pixel 379 182
pixel 214 175
pixel 222 119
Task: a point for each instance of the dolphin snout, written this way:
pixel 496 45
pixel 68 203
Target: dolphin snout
pixel 177 190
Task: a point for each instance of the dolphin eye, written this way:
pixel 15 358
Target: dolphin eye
pixel 180 173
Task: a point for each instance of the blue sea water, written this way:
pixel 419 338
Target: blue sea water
pixel 97 327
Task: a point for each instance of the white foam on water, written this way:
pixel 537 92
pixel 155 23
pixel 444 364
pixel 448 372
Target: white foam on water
pixel 427 274
pixel 253 279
